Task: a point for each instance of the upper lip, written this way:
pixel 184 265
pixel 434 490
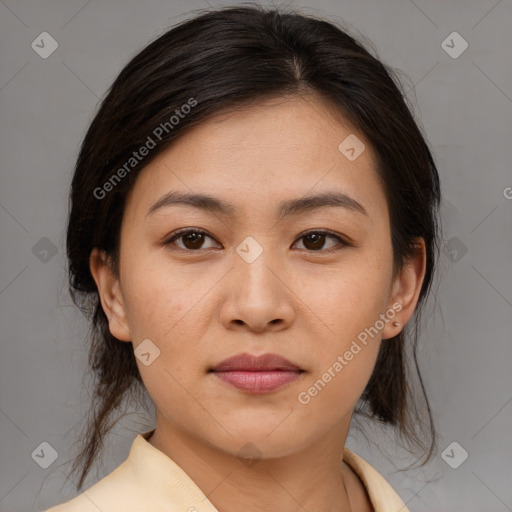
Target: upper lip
pixel 249 362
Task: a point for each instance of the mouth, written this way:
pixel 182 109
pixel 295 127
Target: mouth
pixel 257 374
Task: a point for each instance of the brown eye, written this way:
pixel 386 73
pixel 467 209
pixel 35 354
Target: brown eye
pixel 315 240
pixel 191 239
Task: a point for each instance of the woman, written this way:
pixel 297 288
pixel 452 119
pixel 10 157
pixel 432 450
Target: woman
pixel 253 222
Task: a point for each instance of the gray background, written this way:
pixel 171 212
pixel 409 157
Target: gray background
pixel 464 105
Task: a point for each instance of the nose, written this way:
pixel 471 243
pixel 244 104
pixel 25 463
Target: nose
pixel 258 296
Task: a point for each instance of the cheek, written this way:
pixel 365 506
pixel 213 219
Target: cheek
pixel 159 302
pixel 169 312
pixel 349 304
pixel 335 392
pixel 344 361
pixel 348 298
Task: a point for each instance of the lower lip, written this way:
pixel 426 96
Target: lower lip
pixel 260 381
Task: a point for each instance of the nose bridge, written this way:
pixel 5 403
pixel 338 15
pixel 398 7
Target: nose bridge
pixel 256 294
pixel 253 263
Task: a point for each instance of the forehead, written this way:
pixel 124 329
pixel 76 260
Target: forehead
pixel 257 155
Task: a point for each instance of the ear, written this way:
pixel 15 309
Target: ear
pixel 406 289
pixel 110 295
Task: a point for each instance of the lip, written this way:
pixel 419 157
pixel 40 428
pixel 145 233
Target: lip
pixel 257 374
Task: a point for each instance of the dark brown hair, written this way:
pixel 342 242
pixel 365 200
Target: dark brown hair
pixel 223 60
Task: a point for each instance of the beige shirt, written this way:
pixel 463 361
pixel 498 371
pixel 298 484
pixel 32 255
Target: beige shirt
pixel 150 481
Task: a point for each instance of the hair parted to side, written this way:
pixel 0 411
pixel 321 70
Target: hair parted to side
pixel 226 59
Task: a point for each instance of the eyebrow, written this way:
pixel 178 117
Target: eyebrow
pixel 285 208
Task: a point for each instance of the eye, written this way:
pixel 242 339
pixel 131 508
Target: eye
pixel 314 241
pixel 192 238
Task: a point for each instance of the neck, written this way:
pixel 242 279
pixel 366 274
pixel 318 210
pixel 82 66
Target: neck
pixel 314 479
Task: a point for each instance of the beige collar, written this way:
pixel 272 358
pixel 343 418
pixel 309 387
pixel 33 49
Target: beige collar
pixel 168 485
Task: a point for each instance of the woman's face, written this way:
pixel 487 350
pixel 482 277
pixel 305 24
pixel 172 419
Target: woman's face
pixel 263 278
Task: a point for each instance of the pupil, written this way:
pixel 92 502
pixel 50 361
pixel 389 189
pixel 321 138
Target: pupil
pixel 319 238
pixel 195 238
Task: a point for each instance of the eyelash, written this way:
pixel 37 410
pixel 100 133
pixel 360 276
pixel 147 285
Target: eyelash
pixel 179 233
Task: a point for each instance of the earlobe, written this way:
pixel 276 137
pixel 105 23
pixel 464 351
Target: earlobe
pixel 406 290
pixel 110 295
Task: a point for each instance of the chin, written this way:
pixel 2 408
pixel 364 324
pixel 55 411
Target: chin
pixel 254 442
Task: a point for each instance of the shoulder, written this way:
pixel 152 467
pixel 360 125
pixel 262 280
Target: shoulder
pixel 381 494
pixel 147 480
pixel 114 491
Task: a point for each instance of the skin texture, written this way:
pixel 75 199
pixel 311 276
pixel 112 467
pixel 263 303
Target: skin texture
pixel 202 305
